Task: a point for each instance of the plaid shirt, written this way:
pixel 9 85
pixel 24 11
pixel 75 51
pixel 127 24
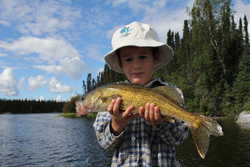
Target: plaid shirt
pixel 140 144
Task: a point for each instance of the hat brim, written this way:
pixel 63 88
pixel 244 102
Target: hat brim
pixel 165 53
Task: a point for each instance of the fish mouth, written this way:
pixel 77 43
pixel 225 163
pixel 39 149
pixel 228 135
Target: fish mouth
pixel 86 108
pixel 220 132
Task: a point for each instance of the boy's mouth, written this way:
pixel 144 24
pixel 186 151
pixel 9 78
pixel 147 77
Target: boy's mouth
pixel 137 74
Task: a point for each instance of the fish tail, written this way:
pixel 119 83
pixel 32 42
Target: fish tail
pixel 200 135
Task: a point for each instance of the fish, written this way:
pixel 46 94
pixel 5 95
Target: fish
pixel 166 98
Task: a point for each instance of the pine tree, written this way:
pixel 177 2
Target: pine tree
pixel 89 82
pixel 177 41
pixel 170 39
pixel 84 87
pixel 240 28
pixel 246 30
pixel 241 87
pixel 185 55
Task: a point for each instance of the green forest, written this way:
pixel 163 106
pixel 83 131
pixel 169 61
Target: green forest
pixel 211 63
pixel 30 106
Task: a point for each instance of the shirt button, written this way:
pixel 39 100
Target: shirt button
pixel 133 138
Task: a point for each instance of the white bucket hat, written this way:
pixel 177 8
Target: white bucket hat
pixel 140 35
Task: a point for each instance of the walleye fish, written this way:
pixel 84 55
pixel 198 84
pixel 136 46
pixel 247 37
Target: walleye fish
pixel 166 98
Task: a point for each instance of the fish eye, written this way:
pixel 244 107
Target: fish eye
pixel 103 99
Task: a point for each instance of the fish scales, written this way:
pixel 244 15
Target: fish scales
pixel 138 96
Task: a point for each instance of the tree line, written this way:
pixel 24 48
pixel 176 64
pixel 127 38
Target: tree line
pixel 211 63
pixel 30 106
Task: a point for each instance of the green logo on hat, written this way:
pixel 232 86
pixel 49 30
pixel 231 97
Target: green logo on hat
pixel 125 30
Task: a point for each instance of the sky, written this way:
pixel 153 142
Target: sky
pixel 47 47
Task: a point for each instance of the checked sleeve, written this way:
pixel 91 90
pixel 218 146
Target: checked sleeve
pixel 105 137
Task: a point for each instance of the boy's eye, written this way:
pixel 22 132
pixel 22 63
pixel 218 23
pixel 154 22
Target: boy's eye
pixel 128 59
pixel 142 57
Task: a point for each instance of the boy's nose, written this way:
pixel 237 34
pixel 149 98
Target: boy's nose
pixel 137 63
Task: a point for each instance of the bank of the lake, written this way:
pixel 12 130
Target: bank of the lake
pixel 74 115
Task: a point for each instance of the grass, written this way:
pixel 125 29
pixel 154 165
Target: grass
pixel 247 106
pixel 69 115
pixel 73 115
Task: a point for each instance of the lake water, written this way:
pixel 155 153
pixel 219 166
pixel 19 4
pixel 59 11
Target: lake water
pixel 35 140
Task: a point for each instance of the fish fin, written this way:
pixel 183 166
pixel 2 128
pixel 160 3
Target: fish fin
pixel 170 93
pixel 169 119
pixel 200 135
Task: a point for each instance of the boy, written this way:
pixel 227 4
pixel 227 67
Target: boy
pixel 143 140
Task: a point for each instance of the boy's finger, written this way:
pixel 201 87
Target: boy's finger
pixel 116 106
pixel 128 113
pixel 156 113
pixel 110 107
pixel 146 113
pixel 141 111
pixel 151 112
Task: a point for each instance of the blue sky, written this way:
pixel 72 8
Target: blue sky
pixel 47 47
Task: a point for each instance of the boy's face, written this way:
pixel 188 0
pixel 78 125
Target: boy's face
pixel 137 64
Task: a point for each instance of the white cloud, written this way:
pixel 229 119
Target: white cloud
pixel 8 83
pixel 58 55
pixel 56 69
pixel 163 19
pixel 136 6
pixel 117 2
pixel 143 6
pixel 94 18
pixel 56 87
pixel 166 20
pixel 94 52
pixel 242 9
pixel 40 98
pixel 58 98
pixel 72 66
pixel 110 32
pixel 21 83
pixel 2 55
pixel 5 23
pixel 38 17
pixel 100 70
pixel 36 82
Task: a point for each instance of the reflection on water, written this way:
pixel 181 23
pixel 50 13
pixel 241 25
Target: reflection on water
pixel 244 145
pixel 230 150
pixel 49 140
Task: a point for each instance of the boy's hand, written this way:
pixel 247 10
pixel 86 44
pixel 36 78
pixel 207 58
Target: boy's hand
pixel 119 118
pixel 151 113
